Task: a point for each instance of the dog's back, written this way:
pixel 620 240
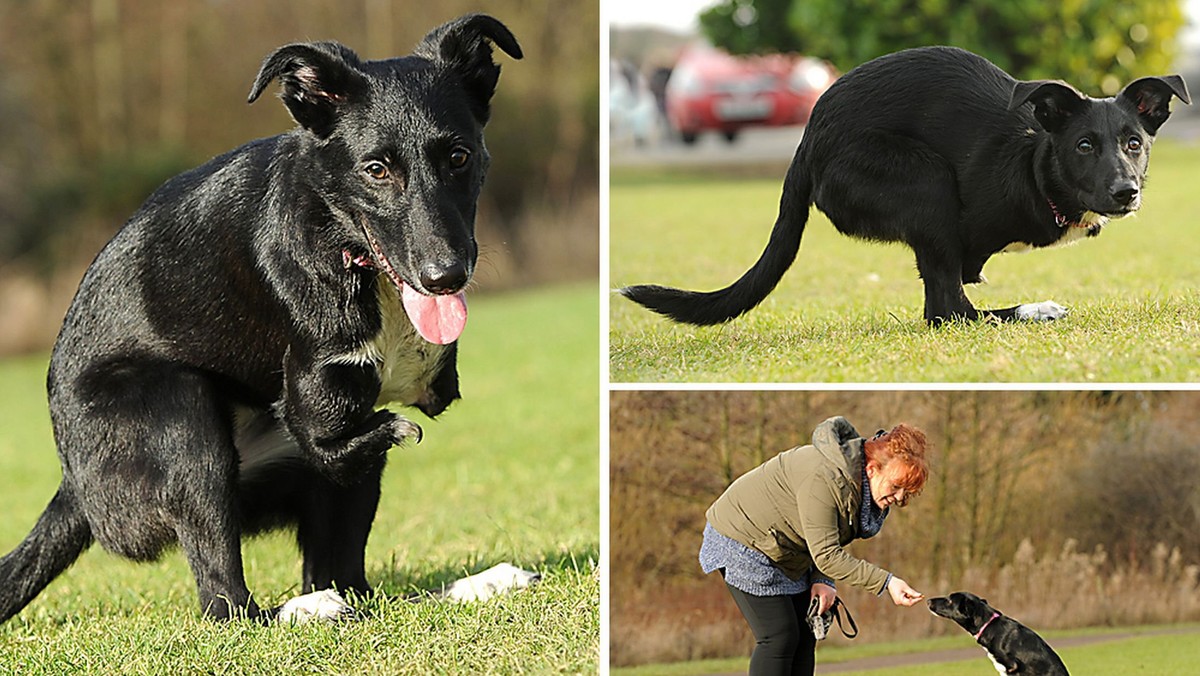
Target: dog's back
pixel 945 97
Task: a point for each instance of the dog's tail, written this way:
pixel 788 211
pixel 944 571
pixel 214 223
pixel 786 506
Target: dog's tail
pixel 58 538
pixel 715 307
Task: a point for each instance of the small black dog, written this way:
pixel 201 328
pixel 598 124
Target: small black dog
pixel 219 369
pixel 1012 647
pixel 938 148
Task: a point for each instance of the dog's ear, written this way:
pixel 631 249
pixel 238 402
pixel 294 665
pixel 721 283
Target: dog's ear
pixel 1053 102
pixel 317 78
pixel 1152 98
pixel 462 46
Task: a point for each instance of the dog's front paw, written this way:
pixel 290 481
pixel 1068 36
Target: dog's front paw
pixel 405 430
pixel 322 606
pixel 482 586
pixel 1044 311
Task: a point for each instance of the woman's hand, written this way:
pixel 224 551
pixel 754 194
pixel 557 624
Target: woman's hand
pixel 902 594
pixel 825 594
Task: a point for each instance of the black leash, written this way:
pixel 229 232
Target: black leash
pixel 820 622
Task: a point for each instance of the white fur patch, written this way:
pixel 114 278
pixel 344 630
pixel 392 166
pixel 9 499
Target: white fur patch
pixel 1040 312
pixel 498 579
pixel 995 662
pixel 406 362
pixel 1017 247
pixel 322 606
pixel 1072 233
pixel 260 440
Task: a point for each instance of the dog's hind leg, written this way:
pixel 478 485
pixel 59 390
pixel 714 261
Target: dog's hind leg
pixel 201 492
pixel 889 187
pixel 941 271
pixel 152 455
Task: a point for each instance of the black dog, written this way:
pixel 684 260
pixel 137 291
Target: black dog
pixel 1012 647
pixel 941 150
pixel 219 369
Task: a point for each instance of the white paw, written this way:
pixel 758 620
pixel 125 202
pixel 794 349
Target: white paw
pixel 322 606
pixel 1040 312
pixel 482 586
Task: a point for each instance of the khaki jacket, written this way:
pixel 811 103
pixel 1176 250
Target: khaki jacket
pixel 801 508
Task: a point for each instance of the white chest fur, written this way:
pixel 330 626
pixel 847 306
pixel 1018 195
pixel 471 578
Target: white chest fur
pixel 995 662
pixel 406 363
pixel 1072 234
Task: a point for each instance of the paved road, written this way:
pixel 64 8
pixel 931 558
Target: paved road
pixel 753 146
pixel 975 653
pixel 778 144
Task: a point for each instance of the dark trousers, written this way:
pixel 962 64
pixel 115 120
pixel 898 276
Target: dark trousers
pixel 783 642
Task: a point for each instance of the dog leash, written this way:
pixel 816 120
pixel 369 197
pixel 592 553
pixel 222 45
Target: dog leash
pixel 820 622
pixel 849 618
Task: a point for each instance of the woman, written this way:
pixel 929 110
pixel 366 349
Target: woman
pixel 777 533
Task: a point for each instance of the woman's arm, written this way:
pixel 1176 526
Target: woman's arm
pixel 819 526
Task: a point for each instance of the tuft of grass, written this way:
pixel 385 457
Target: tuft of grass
pixel 507 474
pixel 850 311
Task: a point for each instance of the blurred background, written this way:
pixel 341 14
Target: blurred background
pixel 1064 509
pixel 732 81
pixel 102 100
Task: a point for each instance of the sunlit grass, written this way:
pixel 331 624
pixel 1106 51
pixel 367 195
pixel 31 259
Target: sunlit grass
pixel 850 311
pixel 510 473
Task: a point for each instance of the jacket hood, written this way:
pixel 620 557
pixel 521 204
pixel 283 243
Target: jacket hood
pixel 840 444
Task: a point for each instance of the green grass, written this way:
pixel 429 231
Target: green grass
pixel 510 473
pixel 1161 655
pixel 850 311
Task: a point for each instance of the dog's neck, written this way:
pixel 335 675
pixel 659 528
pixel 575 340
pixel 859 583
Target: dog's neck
pixel 986 625
pixel 1060 220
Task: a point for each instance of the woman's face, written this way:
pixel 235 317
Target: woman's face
pixel 884 490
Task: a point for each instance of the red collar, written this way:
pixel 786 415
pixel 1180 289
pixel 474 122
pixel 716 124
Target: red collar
pixel 986 624
pixel 1060 220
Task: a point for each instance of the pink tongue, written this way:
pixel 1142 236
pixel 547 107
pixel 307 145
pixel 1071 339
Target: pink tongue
pixel 439 319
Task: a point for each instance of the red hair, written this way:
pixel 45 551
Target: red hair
pixel 901 452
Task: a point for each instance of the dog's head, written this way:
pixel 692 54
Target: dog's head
pixel 395 152
pixel 965 608
pixel 1100 148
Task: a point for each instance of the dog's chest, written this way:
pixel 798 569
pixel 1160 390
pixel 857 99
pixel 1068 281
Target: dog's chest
pixel 406 363
pixel 1071 234
pixel 995 662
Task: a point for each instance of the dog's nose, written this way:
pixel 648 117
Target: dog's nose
pixel 1125 193
pixel 444 278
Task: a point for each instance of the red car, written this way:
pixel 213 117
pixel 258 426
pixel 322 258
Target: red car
pixel 710 90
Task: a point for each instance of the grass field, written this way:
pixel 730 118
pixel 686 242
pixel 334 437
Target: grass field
pixel 510 473
pixel 1151 653
pixel 850 311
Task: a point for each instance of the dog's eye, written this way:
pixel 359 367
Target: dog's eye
pixel 459 157
pixel 1084 145
pixel 1134 144
pixel 377 170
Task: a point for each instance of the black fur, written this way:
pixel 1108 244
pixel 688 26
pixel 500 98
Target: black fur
pixel 939 149
pixel 1011 644
pixel 219 369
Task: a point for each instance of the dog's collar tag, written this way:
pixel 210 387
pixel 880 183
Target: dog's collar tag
pixel 986 625
pixel 1062 221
